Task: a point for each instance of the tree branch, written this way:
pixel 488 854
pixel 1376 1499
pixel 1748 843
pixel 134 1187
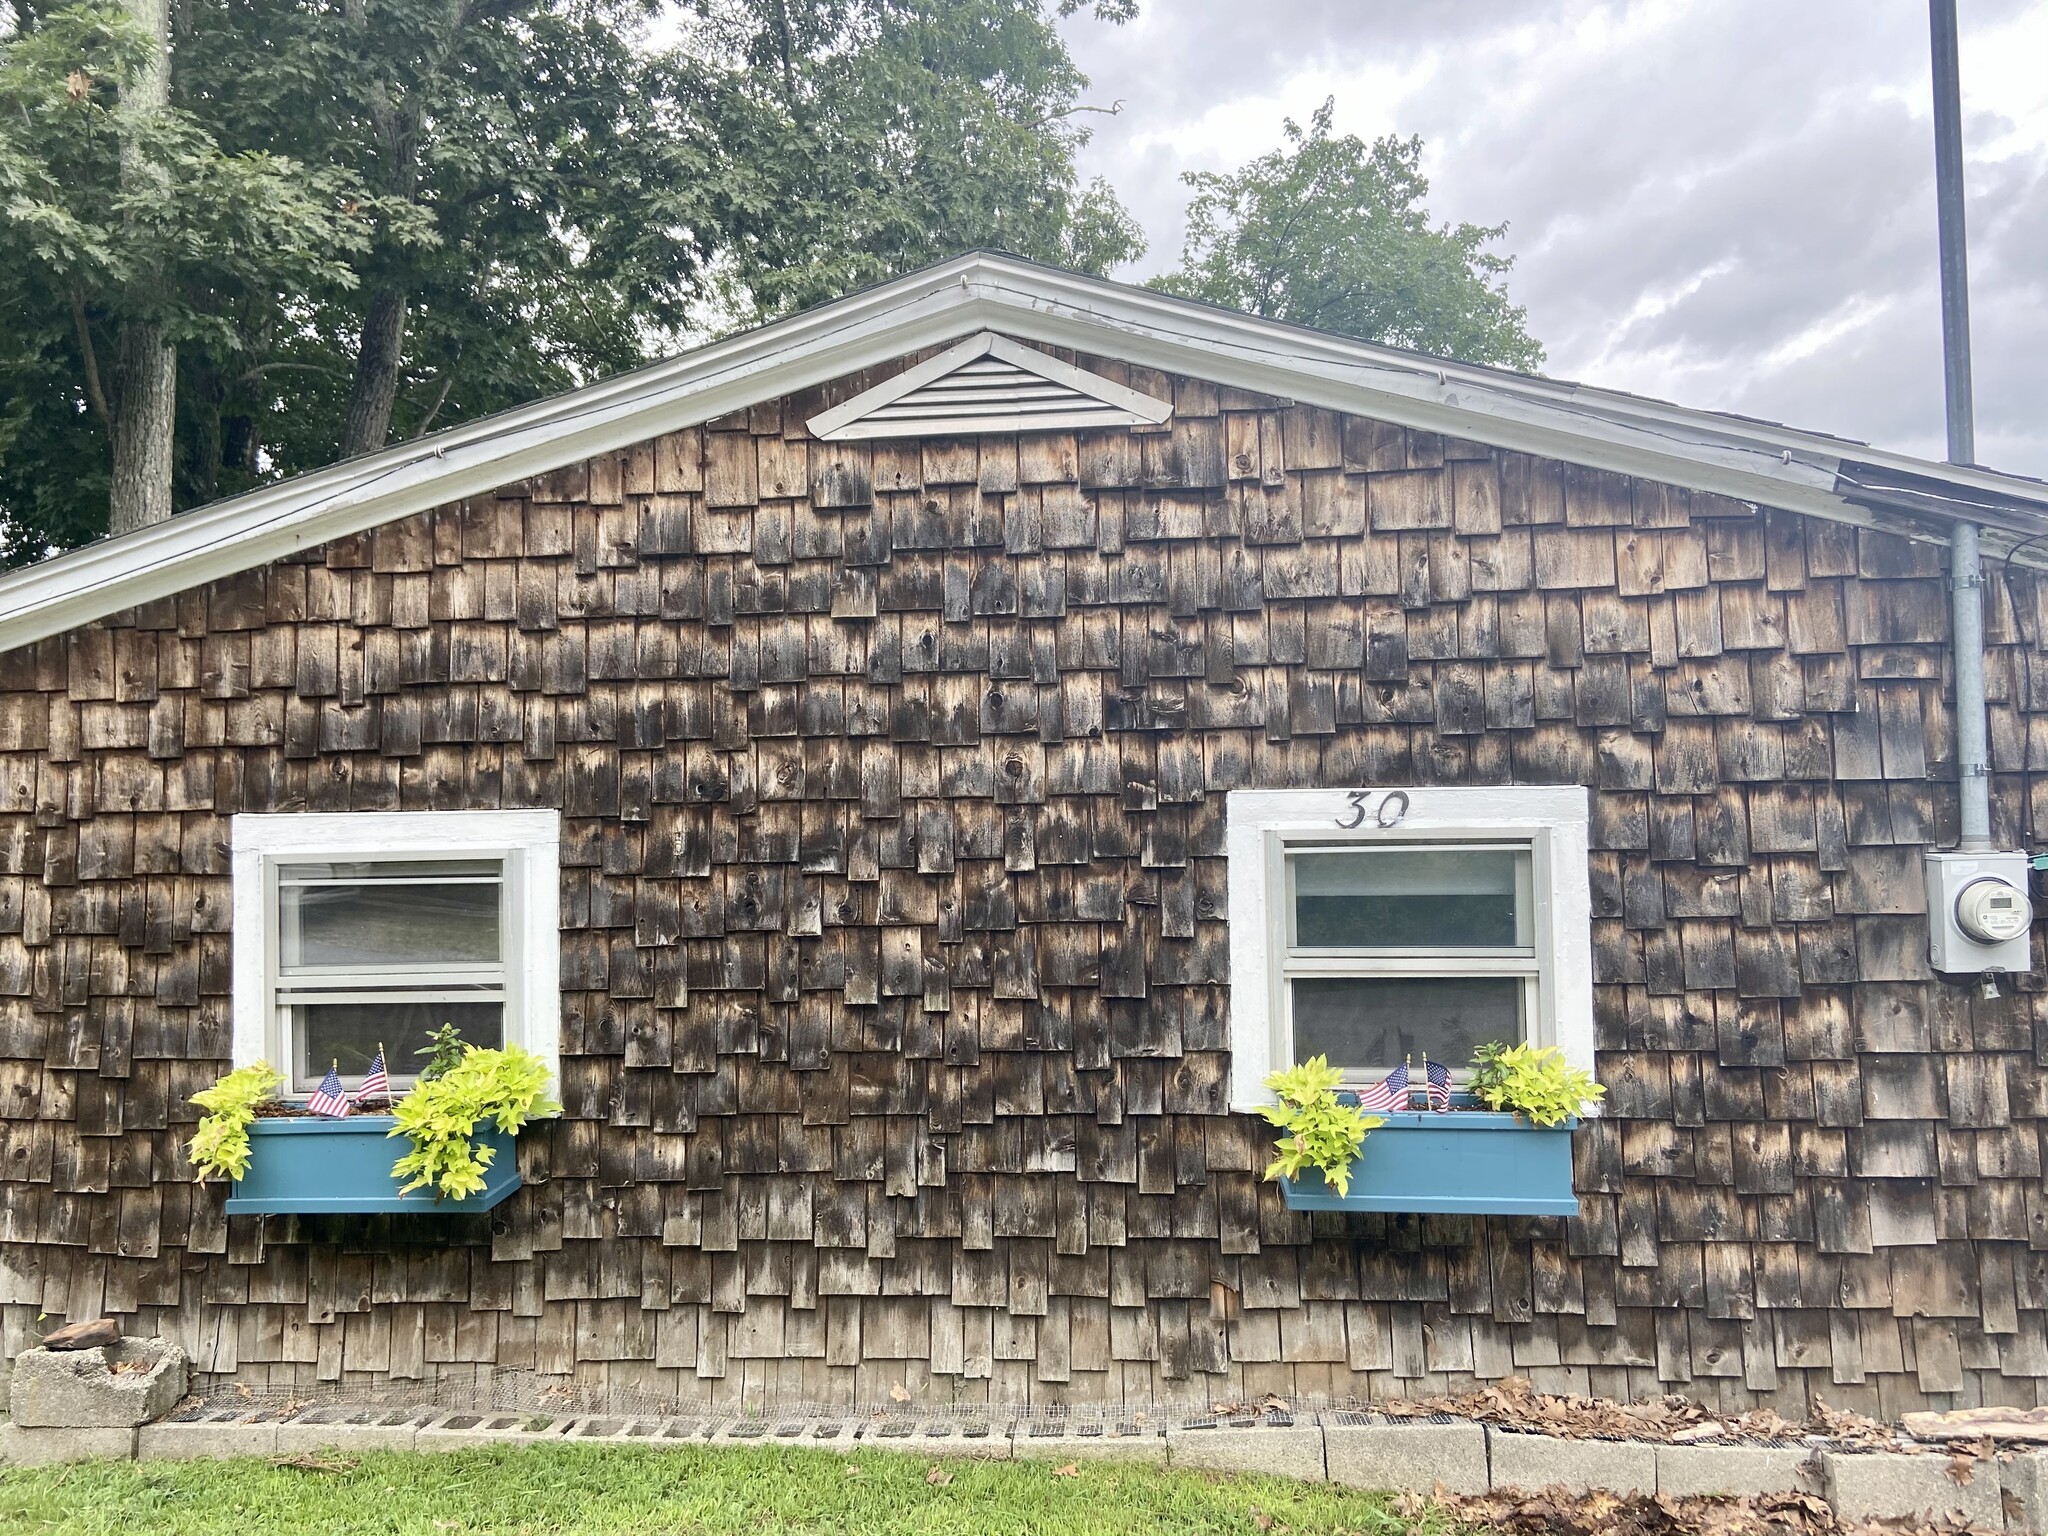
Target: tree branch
pixel 1112 110
pixel 251 374
pixel 95 396
pixel 427 420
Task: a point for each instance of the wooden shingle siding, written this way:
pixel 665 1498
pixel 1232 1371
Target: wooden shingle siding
pixel 896 1016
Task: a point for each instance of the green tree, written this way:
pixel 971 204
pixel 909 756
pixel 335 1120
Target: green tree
pixel 534 197
pixel 867 138
pixel 1331 232
pixel 505 198
pixel 115 207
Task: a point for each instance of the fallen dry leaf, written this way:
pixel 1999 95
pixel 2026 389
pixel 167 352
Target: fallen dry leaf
pixel 311 1462
pixel 938 1477
pixel 1069 1470
pixel 852 1470
pixel 1261 1519
pixel 899 1393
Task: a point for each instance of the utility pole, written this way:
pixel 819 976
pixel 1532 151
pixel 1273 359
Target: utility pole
pixel 1966 575
pixel 1955 245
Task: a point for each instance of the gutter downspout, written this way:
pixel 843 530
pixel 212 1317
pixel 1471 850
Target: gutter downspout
pixel 1966 575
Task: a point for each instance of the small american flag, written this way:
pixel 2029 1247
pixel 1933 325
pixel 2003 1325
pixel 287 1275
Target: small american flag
pixel 1391 1094
pixel 376 1081
pixel 329 1099
pixel 1438 1082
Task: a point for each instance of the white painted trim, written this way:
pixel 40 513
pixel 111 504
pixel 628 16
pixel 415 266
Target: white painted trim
pixel 531 838
pixel 1261 823
pixel 1603 429
pixel 845 422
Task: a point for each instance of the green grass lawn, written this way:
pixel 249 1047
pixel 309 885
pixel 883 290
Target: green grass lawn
pixel 600 1491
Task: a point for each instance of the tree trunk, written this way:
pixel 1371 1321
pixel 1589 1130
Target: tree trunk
pixel 145 422
pixel 145 394
pixel 375 390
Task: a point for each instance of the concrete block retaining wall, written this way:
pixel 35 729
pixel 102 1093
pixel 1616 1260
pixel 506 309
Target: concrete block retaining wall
pixel 1357 1449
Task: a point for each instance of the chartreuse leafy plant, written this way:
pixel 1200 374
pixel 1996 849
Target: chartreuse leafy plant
pixel 1533 1081
pixel 220 1147
pixel 440 1117
pixel 1319 1131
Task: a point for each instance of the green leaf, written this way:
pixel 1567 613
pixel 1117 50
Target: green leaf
pixel 1321 1132
pixel 1533 1081
pixel 220 1145
pixel 440 1118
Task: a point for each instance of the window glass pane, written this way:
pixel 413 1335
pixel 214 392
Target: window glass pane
pixel 388 914
pixel 1410 898
pixel 348 1034
pixel 1375 1023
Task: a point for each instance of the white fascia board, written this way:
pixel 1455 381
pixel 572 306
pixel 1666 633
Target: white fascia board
pixel 1598 428
pixel 1279 352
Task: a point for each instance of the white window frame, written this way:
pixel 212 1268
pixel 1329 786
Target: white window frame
pixel 1264 825
pixel 529 843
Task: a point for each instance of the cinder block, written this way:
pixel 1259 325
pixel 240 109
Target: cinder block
pixel 1884 1485
pixel 2024 1482
pixel 1068 1446
pixel 459 1431
pixel 123 1384
pixel 977 1441
pixel 1745 1469
pixel 1404 1457
pixel 340 1432
pixel 205 1440
pixel 23 1445
pixel 1545 1461
pixel 1294 1450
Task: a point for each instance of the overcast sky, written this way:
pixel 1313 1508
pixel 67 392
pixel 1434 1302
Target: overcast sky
pixel 1725 203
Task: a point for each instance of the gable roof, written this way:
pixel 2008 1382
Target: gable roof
pixel 1703 450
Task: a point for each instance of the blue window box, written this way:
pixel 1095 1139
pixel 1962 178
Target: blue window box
pixel 1464 1162
pixel 344 1167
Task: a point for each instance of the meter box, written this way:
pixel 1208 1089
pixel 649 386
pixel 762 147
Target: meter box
pixel 1978 915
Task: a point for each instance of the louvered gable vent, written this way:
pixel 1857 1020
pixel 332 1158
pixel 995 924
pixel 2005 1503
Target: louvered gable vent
pixel 988 384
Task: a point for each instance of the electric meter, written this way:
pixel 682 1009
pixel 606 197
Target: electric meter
pixel 1993 912
pixel 1978 915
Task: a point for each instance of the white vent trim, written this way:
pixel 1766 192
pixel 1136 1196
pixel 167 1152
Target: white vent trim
pixel 987 384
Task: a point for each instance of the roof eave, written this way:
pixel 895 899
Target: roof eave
pixel 1802 472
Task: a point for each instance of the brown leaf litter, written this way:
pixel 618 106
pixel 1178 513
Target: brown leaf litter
pixel 1560 1512
pixel 1514 1404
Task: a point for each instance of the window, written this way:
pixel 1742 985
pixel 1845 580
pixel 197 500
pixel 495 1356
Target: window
pixel 1375 927
pixel 361 930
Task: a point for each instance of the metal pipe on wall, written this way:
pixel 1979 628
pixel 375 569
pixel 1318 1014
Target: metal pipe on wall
pixel 1966 575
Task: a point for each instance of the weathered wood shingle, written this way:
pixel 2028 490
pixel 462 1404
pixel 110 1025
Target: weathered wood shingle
pixel 895 1021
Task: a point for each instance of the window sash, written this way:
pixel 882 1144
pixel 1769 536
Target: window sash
pixel 1524 895
pixel 289 988
pixel 1530 963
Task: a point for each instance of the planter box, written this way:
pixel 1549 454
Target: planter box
pixel 1460 1163
pixel 344 1167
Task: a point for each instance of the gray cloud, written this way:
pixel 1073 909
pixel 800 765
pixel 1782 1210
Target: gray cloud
pixel 1727 203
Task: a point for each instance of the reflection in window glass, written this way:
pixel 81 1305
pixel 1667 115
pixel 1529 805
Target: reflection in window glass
pixel 1410 898
pixel 349 1035
pixel 392 914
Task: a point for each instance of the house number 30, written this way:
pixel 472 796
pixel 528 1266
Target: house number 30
pixel 1392 807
